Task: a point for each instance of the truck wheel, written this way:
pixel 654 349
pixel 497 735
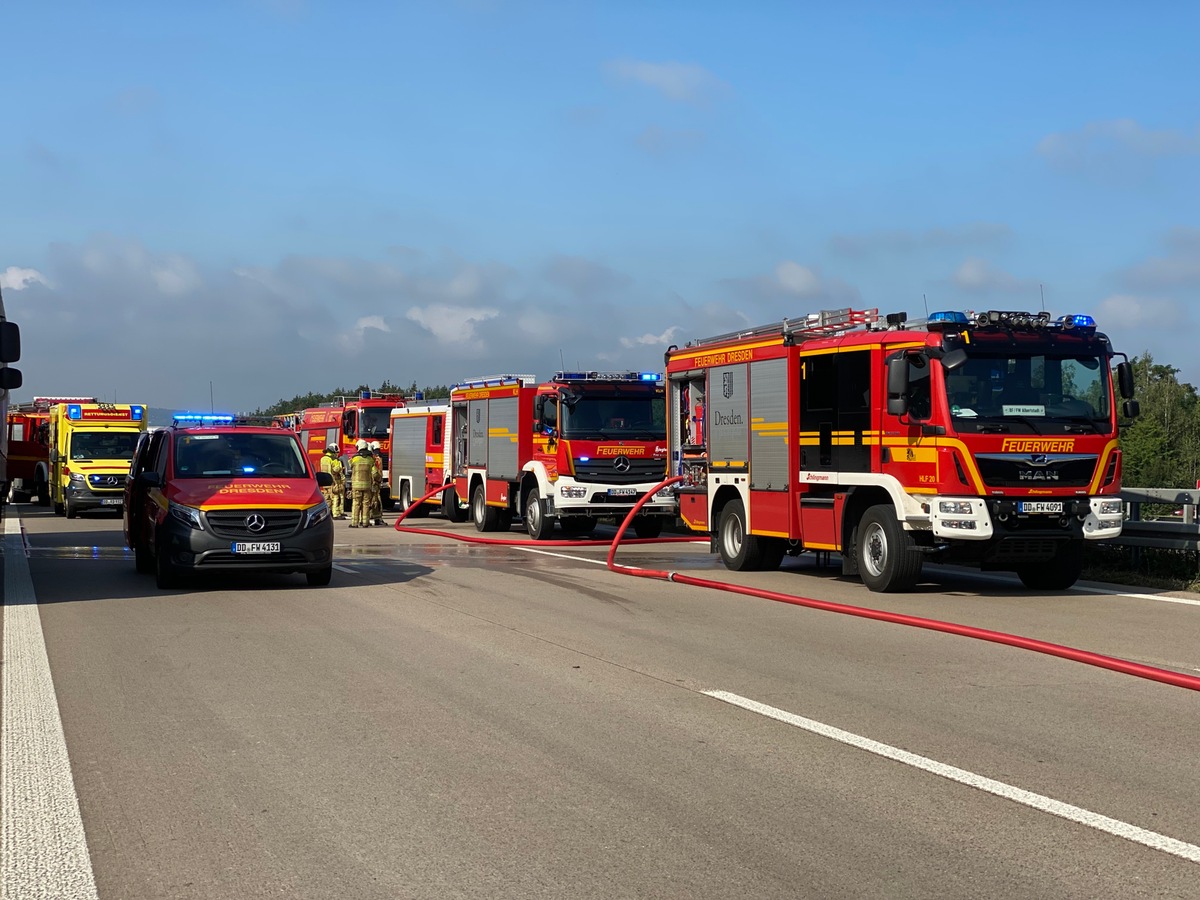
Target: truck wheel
pixel 450 506
pixel 143 562
pixel 321 577
pixel 41 490
pixel 739 549
pixel 486 518
pixel 888 558
pixel 405 497
pixel 647 527
pixel 771 553
pixel 537 523
pixel 1057 574
pixel 576 525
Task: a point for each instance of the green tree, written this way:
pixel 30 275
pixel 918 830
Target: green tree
pixel 1161 448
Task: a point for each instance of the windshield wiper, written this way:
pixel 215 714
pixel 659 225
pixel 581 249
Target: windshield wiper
pixel 1076 424
pixel 991 428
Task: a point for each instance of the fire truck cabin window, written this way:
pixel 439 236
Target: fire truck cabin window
pixel 920 397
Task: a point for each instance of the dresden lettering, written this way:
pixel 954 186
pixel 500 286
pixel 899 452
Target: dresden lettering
pixel 720 418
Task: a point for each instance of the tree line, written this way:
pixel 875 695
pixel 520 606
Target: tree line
pixel 307 401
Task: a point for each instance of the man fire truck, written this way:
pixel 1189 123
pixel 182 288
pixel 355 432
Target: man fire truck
pixel 578 447
pixel 29 447
pixel 346 421
pixel 91 445
pixel 988 439
pixel 419 456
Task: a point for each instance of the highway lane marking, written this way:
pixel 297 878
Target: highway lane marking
pixel 595 562
pixel 44 848
pixel 1134 833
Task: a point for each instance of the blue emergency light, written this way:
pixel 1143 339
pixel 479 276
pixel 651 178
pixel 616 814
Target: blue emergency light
pixel 201 419
pixel 135 413
pixel 947 320
pixel 649 376
pixel 74 411
pixel 1077 321
pixel 364 395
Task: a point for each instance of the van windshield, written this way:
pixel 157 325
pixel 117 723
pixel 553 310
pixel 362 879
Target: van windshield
pixel 104 444
pixel 226 455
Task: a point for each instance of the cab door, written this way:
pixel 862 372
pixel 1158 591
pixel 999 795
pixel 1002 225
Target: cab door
pixel 135 492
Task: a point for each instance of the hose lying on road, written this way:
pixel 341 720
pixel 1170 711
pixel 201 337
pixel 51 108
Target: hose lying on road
pixel 1125 667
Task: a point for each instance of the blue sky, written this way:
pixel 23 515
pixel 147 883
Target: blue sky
pixel 283 196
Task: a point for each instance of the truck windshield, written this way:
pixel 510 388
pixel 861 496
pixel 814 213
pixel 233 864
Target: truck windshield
pixel 1029 393
pixel 103 444
pixel 373 423
pixel 629 416
pixel 225 455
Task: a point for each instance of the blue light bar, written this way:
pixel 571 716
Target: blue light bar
pixel 571 376
pixel 947 319
pixel 201 419
pixel 364 395
pixel 650 376
pixel 135 412
pixel 74 411
pixel 1077 321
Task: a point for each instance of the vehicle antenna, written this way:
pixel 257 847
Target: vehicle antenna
pixel 212 403
pixel 1042 291
pixel 561 361
pixel 925 300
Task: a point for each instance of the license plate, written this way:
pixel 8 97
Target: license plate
pixel 111 501
pixel 622 492
pixel 1040 506
pixel 256 547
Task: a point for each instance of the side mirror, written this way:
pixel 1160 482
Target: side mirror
pixel 53 455
pixel 897 385
pixel 324 479
pixel 1131 409
pixel 1125 379
pixel 10 342
pixel 150 478
pixel 10 378
pixel 539 407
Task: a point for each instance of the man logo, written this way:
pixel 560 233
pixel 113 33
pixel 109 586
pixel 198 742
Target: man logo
pixel 727 384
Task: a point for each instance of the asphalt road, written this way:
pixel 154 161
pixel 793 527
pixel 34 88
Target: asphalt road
pixel 456 720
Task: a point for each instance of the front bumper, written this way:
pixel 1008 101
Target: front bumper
pixel 204 550
pixel 978 519
pixel 81 497
pixel 589 500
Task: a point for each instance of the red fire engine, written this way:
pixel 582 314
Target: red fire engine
pixel 578 447
pixel 418 459
pixel 345 422
pixel 29 447
pixel 988 439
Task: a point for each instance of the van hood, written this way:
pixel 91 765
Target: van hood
pixel 216 493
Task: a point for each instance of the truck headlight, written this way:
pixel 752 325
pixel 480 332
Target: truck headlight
pixel 954 507
pixel 316 515
pixel 78 477
pixel 573 491
pixel 188 515
pixel 1110 507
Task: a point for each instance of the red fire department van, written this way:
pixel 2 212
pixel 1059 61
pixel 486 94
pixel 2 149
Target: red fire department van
pixel 210 495
pixel 983 438
pixel 579 447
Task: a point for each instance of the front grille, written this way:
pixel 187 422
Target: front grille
pixel 232 523
pixel 1016 470
pixel 605 471
pixel 225 558
pixel 106 482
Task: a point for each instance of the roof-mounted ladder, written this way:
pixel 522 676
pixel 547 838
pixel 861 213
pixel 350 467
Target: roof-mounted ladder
pixel 818 324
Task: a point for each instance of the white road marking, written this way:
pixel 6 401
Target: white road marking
pixel 345 569
pixel 1120 829
pixel 595 562
pixel 43 849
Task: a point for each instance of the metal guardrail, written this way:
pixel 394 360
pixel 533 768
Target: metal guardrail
pixel 1183 534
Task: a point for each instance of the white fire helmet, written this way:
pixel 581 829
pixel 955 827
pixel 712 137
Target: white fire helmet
pixel 361 445
pixel 374 445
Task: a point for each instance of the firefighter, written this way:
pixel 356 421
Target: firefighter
pixel 362 481
pixel 376 514
pixel 335 494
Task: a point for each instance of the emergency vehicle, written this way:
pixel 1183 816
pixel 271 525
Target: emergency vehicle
pixel 29 447
pixel 91 445
pixel 986 438
pixel 345 422
pixel 578 447
pixel 419 457
pixel 10 380
pixel 209 494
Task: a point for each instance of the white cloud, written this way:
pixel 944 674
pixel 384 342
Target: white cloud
pixel 663 340
pixel 1129 312
pixel 1180 268
pixel 1073 149
pixel 979 276
pixel 679 82
pixel 451 324
pixel 797 279
pixel 15 278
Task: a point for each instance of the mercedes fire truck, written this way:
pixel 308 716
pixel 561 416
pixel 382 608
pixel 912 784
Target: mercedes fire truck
pixel 576 448
pixel 988 439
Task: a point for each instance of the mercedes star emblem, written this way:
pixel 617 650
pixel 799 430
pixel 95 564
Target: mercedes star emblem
pixel 255 522
pixel 621 463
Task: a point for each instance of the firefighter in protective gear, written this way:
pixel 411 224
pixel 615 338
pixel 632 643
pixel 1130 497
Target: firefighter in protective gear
pixel 335 494
pixel 376 513
pixel 362 482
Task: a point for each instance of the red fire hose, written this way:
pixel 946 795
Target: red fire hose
pixel 1125 667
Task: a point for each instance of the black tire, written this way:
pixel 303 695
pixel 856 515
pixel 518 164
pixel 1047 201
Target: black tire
pixel 405 497
pixel 577 525
pixel 451 508
pixel 504 519
pixel 647 527
pixel 486 518
pixel 771 553
pixel 41 490
pixel 59 509
pixel 165 574
pixel 739 549
pixel 888 558
pixel 539 525
pixel 70 510
pixel 1057 574
pixel 321 577
pixel 142 560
